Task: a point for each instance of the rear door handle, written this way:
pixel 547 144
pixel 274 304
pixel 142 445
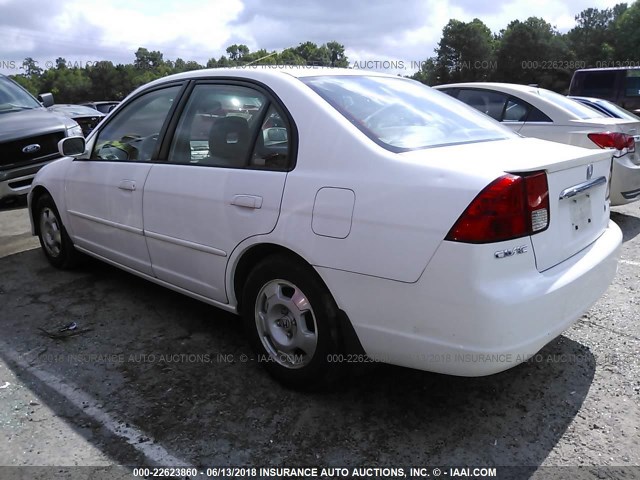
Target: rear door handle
pixel 127 185
pixel 247 201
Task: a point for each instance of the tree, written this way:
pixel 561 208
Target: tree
pixel 627 33
pixel 527 51
pixel 61 63
pixel 428 72
pixel 337 56
pixel 237 52
pixel 146 60
pixel 465 52
pixel 289 57
pixel 593 39
pixel 31 68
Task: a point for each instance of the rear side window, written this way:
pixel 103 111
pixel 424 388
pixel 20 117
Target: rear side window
pixel 485 101
pixel 402 115
pixel 632 84
pixel 502 107
pixel 231 126
pixel 598 84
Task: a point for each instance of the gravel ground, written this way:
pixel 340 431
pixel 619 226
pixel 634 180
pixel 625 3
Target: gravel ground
pixel 158 378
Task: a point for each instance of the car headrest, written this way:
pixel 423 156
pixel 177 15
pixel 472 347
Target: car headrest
pixel 229 139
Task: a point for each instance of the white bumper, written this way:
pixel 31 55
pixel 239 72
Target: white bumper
pixel 625 181
pixel 471 314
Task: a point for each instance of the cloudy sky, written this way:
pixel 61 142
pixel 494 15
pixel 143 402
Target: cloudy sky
pixel 87 31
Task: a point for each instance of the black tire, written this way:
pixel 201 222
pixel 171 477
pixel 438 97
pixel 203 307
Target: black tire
pixel 282 339
pixel 54 240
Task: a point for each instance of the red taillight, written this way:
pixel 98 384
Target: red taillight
pixel 616 140
pixel 511 206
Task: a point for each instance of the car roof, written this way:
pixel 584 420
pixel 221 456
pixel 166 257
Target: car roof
pixel 604 69
pixel 266 71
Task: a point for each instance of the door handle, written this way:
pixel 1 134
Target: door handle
pixel 247 201
pixel 127 185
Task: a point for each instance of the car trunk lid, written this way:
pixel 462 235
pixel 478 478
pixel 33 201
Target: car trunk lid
pixel 578 204
pixel 578 210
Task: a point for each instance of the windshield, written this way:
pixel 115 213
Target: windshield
pixel 13 97
pixel 402 115
pixel 575 108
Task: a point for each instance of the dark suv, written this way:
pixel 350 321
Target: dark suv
pixel 29 136
pixel 618 85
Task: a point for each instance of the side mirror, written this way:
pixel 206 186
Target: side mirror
pixel 71 146
pixel 46 99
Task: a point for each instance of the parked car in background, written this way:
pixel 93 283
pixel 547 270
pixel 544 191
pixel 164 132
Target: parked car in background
pixel 618 85
pixel 540 113
pixel 606 107
pixel 464 249
pixel 29 136
pixel 103 107
pixel 86 117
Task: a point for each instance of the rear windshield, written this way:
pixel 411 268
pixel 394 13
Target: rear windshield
pixel 619 112
pixel 573 107
pixel 403 115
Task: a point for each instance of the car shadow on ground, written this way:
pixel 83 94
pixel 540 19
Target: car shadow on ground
pixel 629 224
pixel 182 372
pixel 13 203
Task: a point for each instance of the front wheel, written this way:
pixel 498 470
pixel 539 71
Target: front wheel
pixel 290 318
pixel 54 240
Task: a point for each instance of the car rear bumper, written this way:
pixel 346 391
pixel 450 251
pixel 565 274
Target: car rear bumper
pixel 471 314
pixel 17 181
pixel 625 181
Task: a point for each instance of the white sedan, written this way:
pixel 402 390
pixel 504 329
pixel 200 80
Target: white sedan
pixel 346 216
pixel 540 113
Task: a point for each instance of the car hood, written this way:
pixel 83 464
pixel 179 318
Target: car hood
pixel 27 123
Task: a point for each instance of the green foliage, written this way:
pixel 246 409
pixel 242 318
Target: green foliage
pixel 627 33
pixel 533 51
pixel 593 40
pixel 526 48
pixel 106 81
pixel 464 53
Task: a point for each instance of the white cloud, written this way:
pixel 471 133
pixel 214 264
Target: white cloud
pixel 82 30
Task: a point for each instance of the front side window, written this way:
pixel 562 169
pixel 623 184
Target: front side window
pixel 402 115
pixel 133 133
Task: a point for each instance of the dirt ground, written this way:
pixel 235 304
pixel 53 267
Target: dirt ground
pixel 160 379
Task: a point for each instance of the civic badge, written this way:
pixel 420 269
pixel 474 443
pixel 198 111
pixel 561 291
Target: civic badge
pixel 590 171
pixel 33 148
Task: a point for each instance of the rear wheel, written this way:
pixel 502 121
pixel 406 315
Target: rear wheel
pixel 54 240
pixel 290 318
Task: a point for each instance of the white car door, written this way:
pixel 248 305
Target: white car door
pixel 221 182
pixel 104 192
